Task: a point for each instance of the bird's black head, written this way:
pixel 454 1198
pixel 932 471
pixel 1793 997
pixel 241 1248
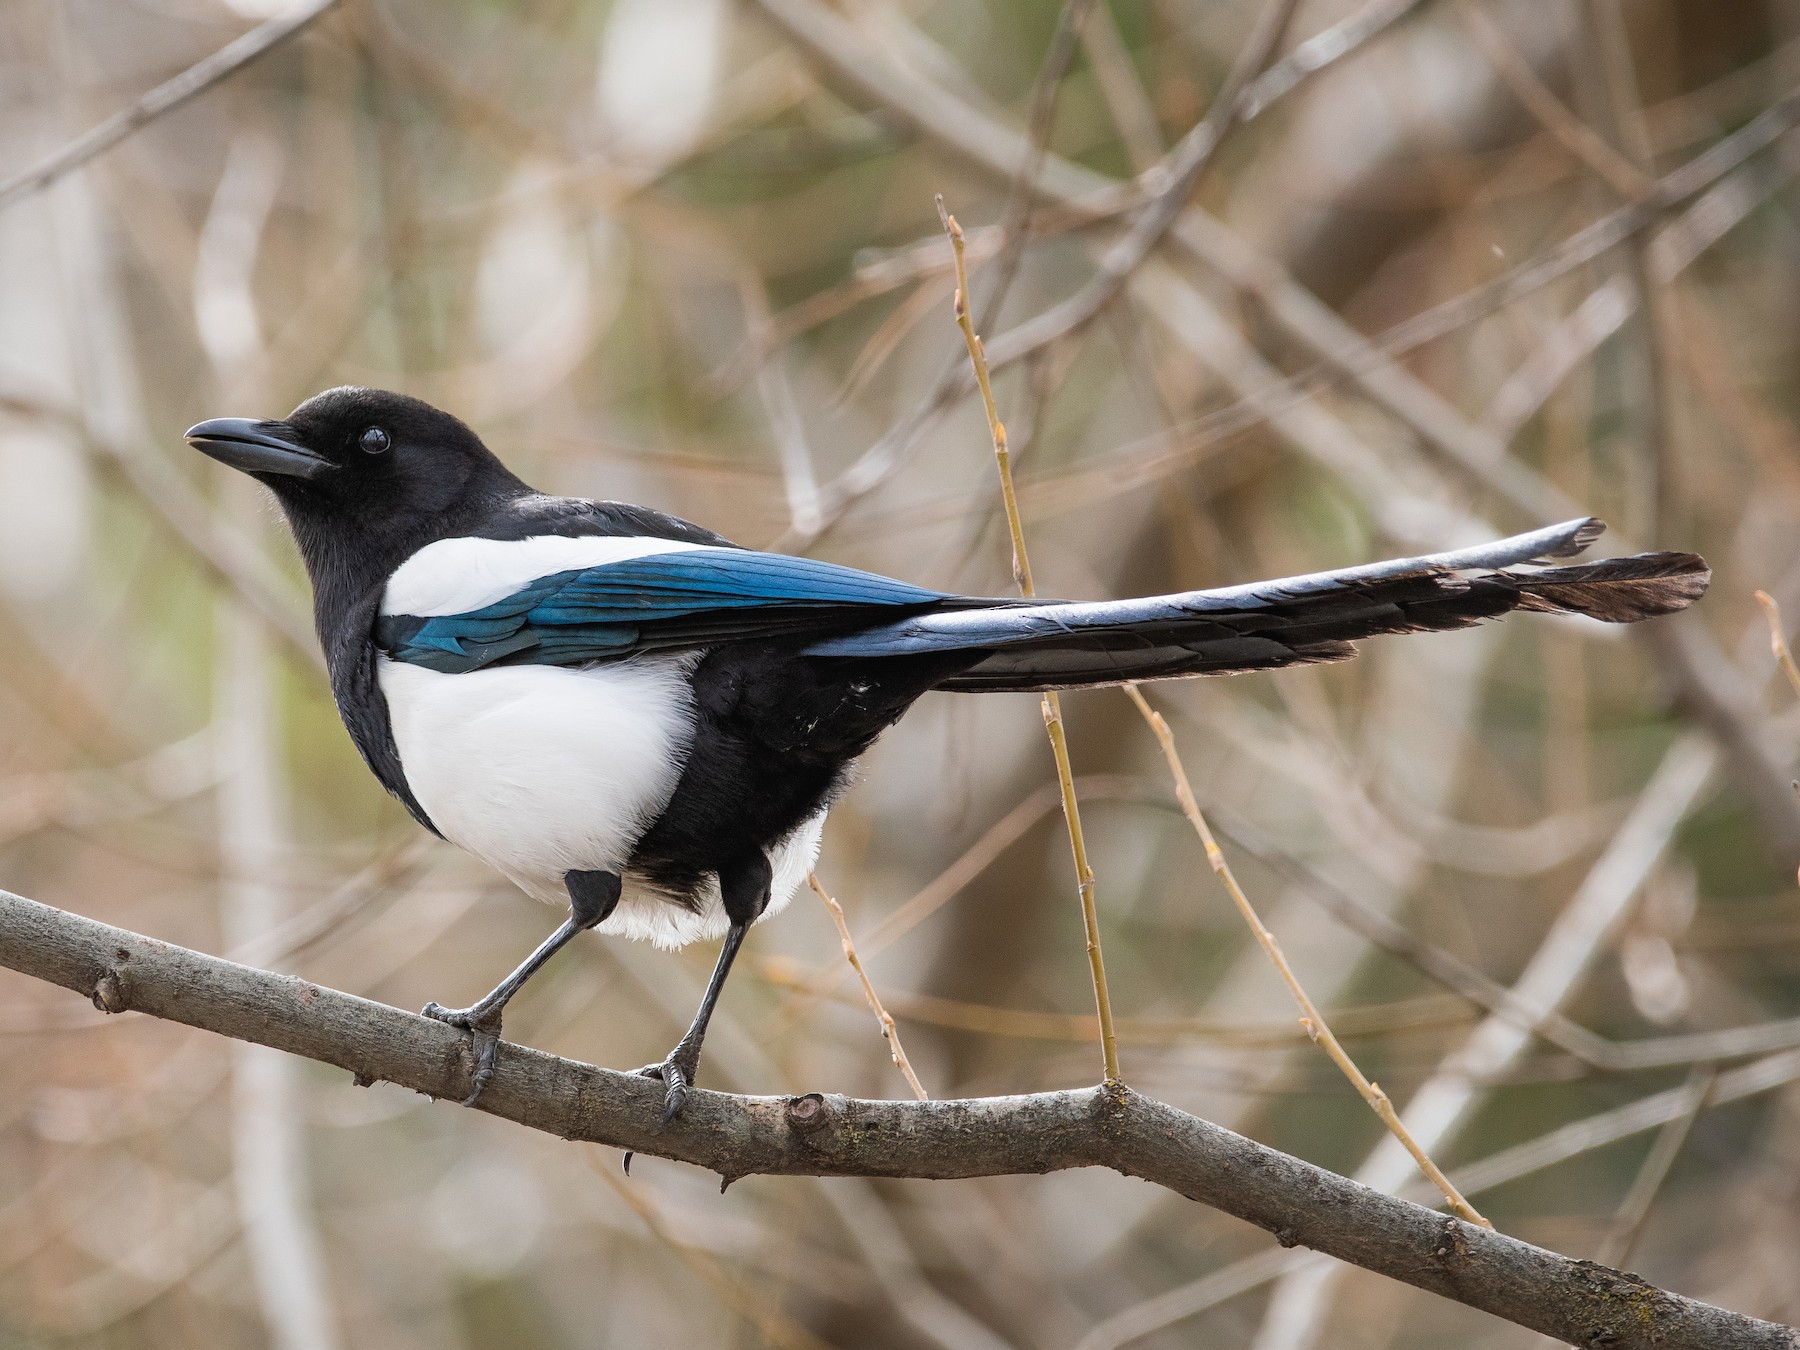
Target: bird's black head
pixel 364 470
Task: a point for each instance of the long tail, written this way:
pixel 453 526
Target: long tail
pixel 1294 621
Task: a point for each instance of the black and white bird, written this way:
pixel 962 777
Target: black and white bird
pixel 619 709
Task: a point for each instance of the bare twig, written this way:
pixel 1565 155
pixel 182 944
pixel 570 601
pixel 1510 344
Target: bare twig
pixel 888 1030
pixel 1574 135
pixel 1777 642
pixel 171 94
pixel 819 1135
pixel 1183 168
pixel 1323 49
pixel 1130 108
pixel 1595 1051
pixel 1310 1017
pixel 1628 1225
pixel 1052 704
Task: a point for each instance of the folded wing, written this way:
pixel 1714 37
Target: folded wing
pixel 696 597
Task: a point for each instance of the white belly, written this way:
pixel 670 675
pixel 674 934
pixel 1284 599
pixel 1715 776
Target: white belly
pixel 539 770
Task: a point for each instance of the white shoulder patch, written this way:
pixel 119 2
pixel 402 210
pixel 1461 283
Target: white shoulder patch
pixel 454 576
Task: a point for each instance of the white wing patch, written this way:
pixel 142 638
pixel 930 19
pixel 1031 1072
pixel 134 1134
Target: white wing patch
pixel 454 576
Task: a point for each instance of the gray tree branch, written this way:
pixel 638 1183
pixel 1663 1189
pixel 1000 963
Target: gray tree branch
pixel 828 1135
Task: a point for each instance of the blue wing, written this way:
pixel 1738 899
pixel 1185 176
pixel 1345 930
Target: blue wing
pixel 689 598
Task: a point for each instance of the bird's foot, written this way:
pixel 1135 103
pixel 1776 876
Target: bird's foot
pixel 676 1073
pixel 483 1026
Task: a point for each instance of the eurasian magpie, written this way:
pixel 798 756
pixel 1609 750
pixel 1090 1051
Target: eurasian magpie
pixel 617 707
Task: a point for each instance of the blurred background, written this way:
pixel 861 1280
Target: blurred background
pixel 685 253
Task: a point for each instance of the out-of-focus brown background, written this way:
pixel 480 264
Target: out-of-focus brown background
pixel 684 252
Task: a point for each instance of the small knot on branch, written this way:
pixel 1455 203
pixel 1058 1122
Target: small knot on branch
pixel 109 993
pixel 1451 1244
pixel 807 1113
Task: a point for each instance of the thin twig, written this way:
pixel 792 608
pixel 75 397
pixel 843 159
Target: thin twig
pixel 888 1029
pixel 1628 1225
pixel 1421 1012
pixel 1310 1017
pixel 1443 1102
pixel 1021 196
pixel 1778 643
pixel 1323 49
pixel 171 94
pixel 1568 130
pixel 1052 705
pixel 1593 1050
pixel 1184 168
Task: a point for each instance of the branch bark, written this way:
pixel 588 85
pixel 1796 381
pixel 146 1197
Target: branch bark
pixel 829 1135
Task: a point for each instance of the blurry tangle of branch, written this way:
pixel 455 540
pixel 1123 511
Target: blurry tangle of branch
pixel 1310 1017
pixel 1341 354
pixel 818 1135
pixel 1591 1051
pixel 166 97
pixel 220 545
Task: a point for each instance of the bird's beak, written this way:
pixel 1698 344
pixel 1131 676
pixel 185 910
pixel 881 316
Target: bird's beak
pixel 256 447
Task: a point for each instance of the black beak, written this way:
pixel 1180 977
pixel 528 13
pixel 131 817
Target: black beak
pixel 256 447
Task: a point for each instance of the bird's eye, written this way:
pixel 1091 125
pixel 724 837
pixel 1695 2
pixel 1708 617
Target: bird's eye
pixel 374 440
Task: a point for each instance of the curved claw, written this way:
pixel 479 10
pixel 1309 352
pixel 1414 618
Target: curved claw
pixel 675 1078
pixel 484 1033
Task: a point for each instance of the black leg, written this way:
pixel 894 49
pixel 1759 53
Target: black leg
pixel 592 896
pixel 744 887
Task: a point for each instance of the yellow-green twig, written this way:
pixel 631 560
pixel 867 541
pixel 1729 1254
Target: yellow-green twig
pixel 888 1029
pixel 1310 1017
pixel 1052 705
pixel 1778 643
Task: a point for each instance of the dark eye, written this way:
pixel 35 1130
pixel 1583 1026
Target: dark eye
pixel 373 440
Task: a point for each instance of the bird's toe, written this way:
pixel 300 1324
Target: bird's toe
pixel 483 1027
pixel 676 1077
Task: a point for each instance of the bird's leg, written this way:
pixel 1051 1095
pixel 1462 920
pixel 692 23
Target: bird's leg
pixel 744 888
pixel 592 896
